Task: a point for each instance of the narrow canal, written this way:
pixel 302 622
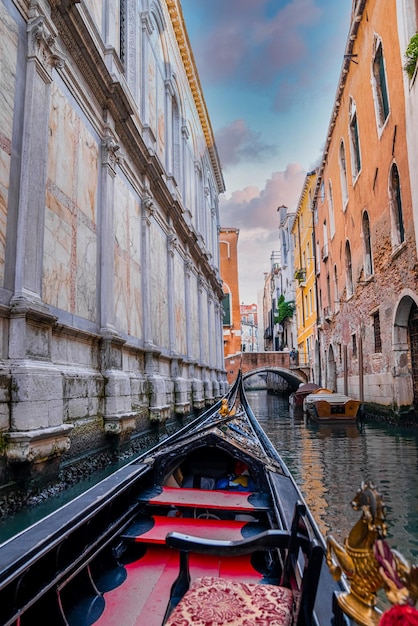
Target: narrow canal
pixel 329 462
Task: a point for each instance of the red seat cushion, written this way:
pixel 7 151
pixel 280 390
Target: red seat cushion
pixel 221 602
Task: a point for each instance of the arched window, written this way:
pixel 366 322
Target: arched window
pixel 398 232
pixel 354 141
pixel 331 211
pixel 348 270
pixel 336 293
pixel 368 259
pixel 176 142
pixel 343 174
pixel 380 85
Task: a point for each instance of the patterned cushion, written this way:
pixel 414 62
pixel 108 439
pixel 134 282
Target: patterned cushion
pixel 220 602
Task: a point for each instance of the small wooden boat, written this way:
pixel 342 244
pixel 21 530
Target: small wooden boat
pixel 297 397
pixel 323 405
pixel 208 515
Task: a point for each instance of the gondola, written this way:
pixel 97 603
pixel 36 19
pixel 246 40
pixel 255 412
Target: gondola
pixel 208 527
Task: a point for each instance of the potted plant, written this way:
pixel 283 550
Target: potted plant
pixel 411 56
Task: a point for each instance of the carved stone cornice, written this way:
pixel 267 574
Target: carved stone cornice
pixel 149 207
pixel 42 45
pixel 177 21
pixel 110 149
pixel 89 58
pixel 171 242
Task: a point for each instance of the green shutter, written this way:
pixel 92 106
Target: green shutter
pixel 226 304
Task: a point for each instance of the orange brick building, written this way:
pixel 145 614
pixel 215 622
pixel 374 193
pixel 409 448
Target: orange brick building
pixel 228 246
pixel 367 270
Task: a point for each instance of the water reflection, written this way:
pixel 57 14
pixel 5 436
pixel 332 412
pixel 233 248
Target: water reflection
pixel 329 462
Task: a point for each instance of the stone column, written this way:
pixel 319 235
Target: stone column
pixel 159 411
pixel 171 248
pixel 109 154
pixel 43 57
pixel 181 395
pixel 118 419
pixel 209 393
pixel 37 433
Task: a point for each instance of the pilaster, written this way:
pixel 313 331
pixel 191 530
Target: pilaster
pixel 36 433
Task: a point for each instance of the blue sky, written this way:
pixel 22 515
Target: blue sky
pixel 269 71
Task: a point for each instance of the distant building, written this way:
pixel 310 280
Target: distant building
pixel 228 246
pixel 279 285
pixel 249 327
pixel 304 273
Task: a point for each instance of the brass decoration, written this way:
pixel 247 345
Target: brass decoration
pixel 225 411
pixel 368 562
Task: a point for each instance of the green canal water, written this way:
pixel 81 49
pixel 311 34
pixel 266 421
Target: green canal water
pixel 328 464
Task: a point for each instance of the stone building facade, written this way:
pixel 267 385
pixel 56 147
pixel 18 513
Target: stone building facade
pixel 110 290
pixel 367 271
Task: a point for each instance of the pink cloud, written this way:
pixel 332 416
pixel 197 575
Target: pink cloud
pixel 254 213
pixel 247 211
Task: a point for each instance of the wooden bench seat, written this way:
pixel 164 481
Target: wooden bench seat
pixel 208 499
pixel 154 529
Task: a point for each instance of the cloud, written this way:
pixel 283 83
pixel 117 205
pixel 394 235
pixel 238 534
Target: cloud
pixel 254 213
pixel 247 211
pixel 249 44
pixel 237 143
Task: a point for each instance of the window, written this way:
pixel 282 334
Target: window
pixel 176 141
pixel 331 211
pixel 348 270
pixel 398 233
pixel 354 141
pixel 380 85
pixel 329 293
pixel 368 261
pixel 336 294
pixel 343 174
pixel 354 345
pixel 377 336
pixel 226 305
pixel 325 236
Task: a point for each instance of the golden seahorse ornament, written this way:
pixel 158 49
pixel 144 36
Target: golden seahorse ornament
pixel 368 562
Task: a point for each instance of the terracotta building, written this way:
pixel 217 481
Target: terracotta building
pixel 228 246
pixel 110 288
pixel 367 271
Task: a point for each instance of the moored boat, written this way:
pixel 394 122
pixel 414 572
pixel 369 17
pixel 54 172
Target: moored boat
pixel 297 397
pixel 323 405
pixel 210 512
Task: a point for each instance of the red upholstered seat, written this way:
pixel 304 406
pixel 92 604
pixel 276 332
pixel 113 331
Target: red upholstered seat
pixel 221 602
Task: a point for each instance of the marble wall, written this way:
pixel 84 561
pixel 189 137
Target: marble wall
pixel 109 279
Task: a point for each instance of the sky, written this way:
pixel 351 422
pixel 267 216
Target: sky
pixel 269 70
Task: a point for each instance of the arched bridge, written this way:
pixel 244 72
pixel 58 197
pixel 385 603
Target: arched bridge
pixel 252 363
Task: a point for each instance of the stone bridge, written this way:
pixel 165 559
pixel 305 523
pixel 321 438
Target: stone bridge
pixel 252 363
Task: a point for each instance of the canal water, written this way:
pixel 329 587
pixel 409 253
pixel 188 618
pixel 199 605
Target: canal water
pixel 329 462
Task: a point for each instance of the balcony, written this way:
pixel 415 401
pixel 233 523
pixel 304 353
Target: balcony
pixel 327 313
pixel 300 276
